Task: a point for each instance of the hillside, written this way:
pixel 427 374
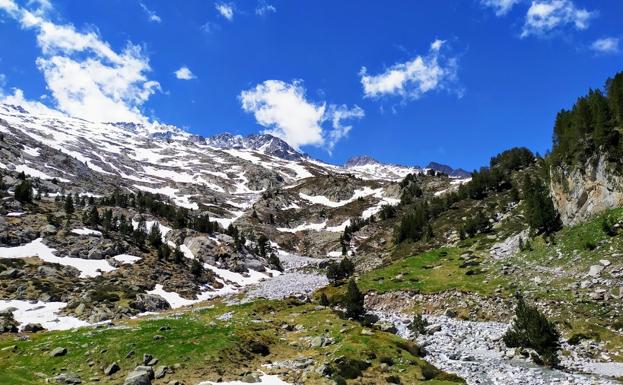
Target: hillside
pixel 184 259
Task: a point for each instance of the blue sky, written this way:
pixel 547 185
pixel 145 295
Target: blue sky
pixel 454 81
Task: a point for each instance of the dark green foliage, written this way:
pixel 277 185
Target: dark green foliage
pixel 69 205
pixel 23 192
pixel 107 221
pixel 155 236
pixel 387 212
pixel 324 300
pixel 414 225
pixel 532 330
pixel 203 224
pixel 608 226
pixel 410 189
pixel 512 160
pixel 418 325
pixel 340 271
pixel 21 176
pixel 196 268
pixel 263 245
pixel 275 262
pixel 140 232
pixel 591 127
pixel 541 214
pixel 164 252
pixel 178 255
pixel 476 224
pixel 92 216
pixel 353 301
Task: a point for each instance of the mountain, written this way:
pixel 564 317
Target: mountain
pixel 264 143
pixel 457 173
pixel 250 243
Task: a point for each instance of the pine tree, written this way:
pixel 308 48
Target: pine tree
pixel 178 255
pixel 23 192
pixel 155 236
pixel 196 268
pixel 353 301
pixel 531 329
pixel 324 300
pixel 541 214
pixel 69 205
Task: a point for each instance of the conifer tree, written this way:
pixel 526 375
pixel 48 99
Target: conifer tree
pixel 23 192
pixel 69 205
pixel 541 214
pixel 353 301
pixel 155 236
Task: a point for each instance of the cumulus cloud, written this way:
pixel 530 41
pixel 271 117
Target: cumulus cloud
pixel 413 78
pixel 264 9
pixel 86 77
pixel 546 16
pixel 151 15
pixel 17 99
pixel 606 45
pixel 283 109
pixel 226 10
pixel 184 73
pixel 500 7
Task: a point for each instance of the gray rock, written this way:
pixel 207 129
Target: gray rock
pixel 595 270
pixel 67 378
pixel 149 302
pixel 58 352
pixel 112 369
pixel 141 375
pixel 161 371
pixel 33 328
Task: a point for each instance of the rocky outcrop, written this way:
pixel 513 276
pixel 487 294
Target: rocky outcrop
pixel 584 191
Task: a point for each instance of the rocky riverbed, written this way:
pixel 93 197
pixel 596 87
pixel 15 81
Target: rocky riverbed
pixel 476 352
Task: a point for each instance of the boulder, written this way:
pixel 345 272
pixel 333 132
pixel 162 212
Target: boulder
pixel 595 270
pixel 33 328
pixel 112 369
pixel 141 375
pixel 149 302
pixel 67 378
pixel 58 352
pixel 7 322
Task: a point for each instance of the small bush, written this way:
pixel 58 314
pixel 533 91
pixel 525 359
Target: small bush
pixel 590 244
pixel 340 271
pixel 607 225
pixel 418 325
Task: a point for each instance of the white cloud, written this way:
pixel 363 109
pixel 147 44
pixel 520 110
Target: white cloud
pixel 339 131
pixel 285 112
pixel 545 16
pixel 264 9
pixel 86 77
pixel 9 6
pixel 226 10
pixel 17 99
pixel 413 78
pixel 184 73
pixel 151 15
pixel 501 7
pixel 606 45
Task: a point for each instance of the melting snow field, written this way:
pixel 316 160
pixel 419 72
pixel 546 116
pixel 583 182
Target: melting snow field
pixel 36 248
pixel 85 231
pixel 44 313
pixel 126 259
pixel 265 379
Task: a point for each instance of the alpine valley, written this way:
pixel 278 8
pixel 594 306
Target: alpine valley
pixel 142 254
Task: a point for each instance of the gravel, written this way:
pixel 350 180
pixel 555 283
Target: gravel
pixel 476 352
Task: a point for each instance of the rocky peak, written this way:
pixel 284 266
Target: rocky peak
pixel 444 168
pixel 265 143
pixel 361 160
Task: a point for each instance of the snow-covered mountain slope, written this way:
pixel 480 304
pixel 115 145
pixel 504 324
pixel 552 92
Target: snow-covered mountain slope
pixel 369 168
pixel 223 175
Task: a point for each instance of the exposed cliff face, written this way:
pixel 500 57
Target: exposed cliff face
pixel 582 192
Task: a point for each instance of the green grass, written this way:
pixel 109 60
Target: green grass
pixel 205 348
pixel 431 272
